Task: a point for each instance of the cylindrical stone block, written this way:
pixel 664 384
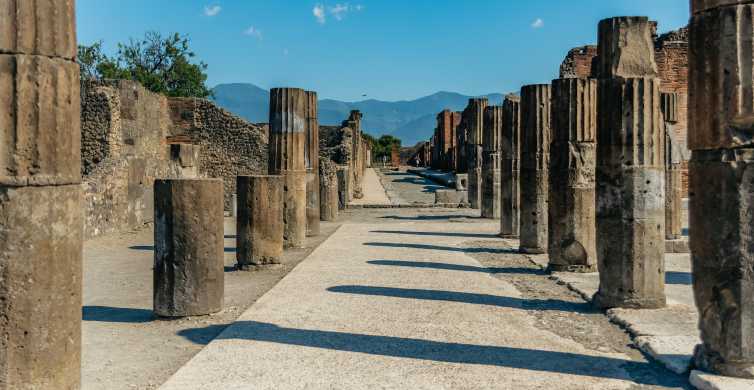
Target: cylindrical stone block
pixel 571 217
pixel 189 247
pixel 45 28
pixel 673 184
pixel 287 147
pixel 630 194
pixel 493 128
pixel 721 183
pixel 328 190
pixel 535 161
pixel 625 48
pixel 312 165
pixel 343 187
pixel 259 226
pixel 40 287
pixel 474 119
pixel 510 145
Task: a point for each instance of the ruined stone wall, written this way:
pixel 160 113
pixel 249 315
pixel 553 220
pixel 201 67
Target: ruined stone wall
pixel 229 145
pixel 579 62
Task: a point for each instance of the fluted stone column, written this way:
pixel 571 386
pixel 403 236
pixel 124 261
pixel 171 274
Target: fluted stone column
pixel 510 145
pixel 493 127
pixel 312 165
pixel 41 219
pixel 188 247
pixel 630 168
pixel 259 225
pixel 674 158
pixel 572 244
pixel 328 198
pixel 474 114
pixel 721 174
pixel 535 157
pixel 344 188
pixel 286 157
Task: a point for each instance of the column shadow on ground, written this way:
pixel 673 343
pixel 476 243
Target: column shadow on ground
pixel 429 217
pixel 116 314
pixel 151 248
pixel 447 352
pixel 459 267
pixel 470 298
pixel 677 277
pixel 441 248
pixel 441 234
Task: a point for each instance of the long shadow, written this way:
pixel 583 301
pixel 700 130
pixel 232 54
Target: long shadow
pixel 675 277
pixel 459 267
pixel 439 351
pixel 442 234
pixel 441 248
pixel 426 217
pixel 116 314
pixel 470 298
pixel 151 248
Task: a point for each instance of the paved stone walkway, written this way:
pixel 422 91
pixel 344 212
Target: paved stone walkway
pixel 374 192
pixel 353 315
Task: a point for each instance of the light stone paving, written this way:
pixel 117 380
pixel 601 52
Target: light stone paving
pixel 374 192
pixel 339 321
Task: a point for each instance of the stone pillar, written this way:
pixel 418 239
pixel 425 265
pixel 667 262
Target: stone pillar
pixel 535 156
pixel 572 244
pixel 188 247
pixel 344 189
pixel 259 226
pixel 493 127
pixel 630 169
pixel 510 145
pixel 474 114
pixel 312 165
pixel 674 157
pixel 41 218
pixel 721 174
pixel 328 195
pixel 286 157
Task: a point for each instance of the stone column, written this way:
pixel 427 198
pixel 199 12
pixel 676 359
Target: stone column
pixel 312 165
pixel 474 114
pixel 535 156
pixel 510 145
pixel 721 174
pixel 188 247
pixel 41 224
pixel 259 226
pixel 286 157
pixel 343 186
pixel 630 169
pixel 328 195
pixel 572 233
pixel 493 127
pixel 674 157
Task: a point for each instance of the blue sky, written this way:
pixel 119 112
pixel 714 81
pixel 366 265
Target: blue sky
pixel 384 49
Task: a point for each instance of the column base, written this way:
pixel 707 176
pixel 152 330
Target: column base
pixel 604 302
pixel 714 363
pixel 582 268
pixel 532 251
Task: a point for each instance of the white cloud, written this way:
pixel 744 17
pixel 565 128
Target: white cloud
pixel 339 11
pixel 253 32
pixel 212 10
pixel 538 23
pixel 319 13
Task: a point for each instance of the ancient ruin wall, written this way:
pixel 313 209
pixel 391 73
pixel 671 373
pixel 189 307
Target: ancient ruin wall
pixel 579 62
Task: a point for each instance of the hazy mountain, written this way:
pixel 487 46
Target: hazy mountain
pixel 411 121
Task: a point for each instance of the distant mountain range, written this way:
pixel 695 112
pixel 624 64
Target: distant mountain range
pixel 411 121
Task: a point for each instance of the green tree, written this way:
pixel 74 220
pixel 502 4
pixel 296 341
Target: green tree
pixel 162 64
pixel 384 145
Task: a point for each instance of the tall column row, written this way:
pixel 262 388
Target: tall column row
pixel 493 127
pixel 510 146
pixel 474 120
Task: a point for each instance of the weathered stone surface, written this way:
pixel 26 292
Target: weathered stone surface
pixel 259 226
pixel 288 124
pixel 40 288
pixel 510 146
pixel 189 250
pixel 344 187
pixel 40 130
pixel 630 193
pixel 698 6
pixel 473 118
pixel 571 215
pixel 579 62
pixel 535 161
pixel 493 128
pixel 721 98
pixel 451 197
pixel 675 156
pixel 625 47
pixel 312 165
pixel 669 107
pixel 462 181
pixel 328 190
pixel 46 28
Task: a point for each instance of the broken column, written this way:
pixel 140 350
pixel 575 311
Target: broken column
pixel 328 195
pixel 493 127
pixel 41 223
pixel 312 165
pixel 630 175
pixel 572 242
pixel 721 173
pixel 510 146
pixel 287 146
pixel 474 120
pixel 188 247
pixel 535 154
pixel 344 188
pixel 674 157
pixel 259 226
